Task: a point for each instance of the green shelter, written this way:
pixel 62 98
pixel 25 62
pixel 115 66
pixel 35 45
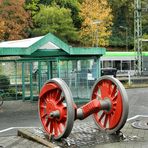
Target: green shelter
pixel 29 63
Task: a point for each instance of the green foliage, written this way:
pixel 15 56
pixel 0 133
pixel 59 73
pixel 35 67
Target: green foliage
pixel 32 6
pixel 73 5
pixel 145 36
pixel 145 17
pixel 45 2
pixel 55 20
pixel 145 44
pixel 4 83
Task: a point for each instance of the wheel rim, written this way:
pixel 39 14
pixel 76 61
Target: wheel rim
pixel 56 97
pixel 110 88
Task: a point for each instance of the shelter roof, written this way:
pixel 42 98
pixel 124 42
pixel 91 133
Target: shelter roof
pixel 48 45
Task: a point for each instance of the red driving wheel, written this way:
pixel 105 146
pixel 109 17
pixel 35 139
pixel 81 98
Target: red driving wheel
pixel 113 119
pixel 56 108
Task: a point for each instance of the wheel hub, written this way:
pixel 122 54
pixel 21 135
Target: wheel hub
pixel 107 105
pixel 55 114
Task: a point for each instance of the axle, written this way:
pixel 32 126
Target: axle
pixel 93 107
pixel 88 109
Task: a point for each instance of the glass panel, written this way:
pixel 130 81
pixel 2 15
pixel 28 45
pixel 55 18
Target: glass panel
pixel 132 64
pixel 107 64
pixel 44 69
pixel 125 65
pixel 54 69
pixel 80 76
pixel 117 65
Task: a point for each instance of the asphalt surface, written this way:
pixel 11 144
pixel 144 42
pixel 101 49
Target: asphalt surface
pixel 25 114
pixel 138 101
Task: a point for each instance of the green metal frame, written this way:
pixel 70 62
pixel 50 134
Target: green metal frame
pixel 33 53
pixel 23 81
pixel 16 79
pixel 31 82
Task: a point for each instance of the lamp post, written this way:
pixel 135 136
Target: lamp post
pixel 126 30
pixel 97 22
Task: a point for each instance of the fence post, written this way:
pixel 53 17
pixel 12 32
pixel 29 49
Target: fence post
pixel 23 81
pixel 31 82
pixel 129 78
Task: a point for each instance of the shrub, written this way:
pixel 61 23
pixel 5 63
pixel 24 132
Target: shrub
pixel 4 82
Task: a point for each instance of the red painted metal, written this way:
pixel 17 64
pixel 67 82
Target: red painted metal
pixel 52 100
pixel 106 89
pixel 93 106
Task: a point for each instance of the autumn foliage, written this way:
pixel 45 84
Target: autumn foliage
pixel 97 21
pixel 15 21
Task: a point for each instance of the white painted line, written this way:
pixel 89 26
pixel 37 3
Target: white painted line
pixel 11 128
pixel 5 130
pixel 137 116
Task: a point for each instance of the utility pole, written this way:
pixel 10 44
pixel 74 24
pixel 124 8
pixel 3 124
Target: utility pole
pixel 138 36
pixel 96 22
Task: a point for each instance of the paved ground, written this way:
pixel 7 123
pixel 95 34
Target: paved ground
pixel 24 114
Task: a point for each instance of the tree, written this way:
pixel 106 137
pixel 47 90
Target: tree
pixel 73 5
pixel 123 12
pixel 97 22
pixel 15 20
pixel 55 20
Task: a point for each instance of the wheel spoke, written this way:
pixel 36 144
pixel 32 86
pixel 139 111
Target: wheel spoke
pixel 64 118
pixel 61 100
pixel 51 127
pixel 49 95
pixel 105 121
pixel 60 127
pixel 101 117
pixel 55 128
pixel 114 98
pixel 47 122
pixel 114 90
pixel 98 96
pixel 64 122
pixel 103 89
pixel 43 106
pixel 57 94
pixel 43 115
pixel 46 101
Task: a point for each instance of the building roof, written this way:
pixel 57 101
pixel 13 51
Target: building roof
pixel 48 45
